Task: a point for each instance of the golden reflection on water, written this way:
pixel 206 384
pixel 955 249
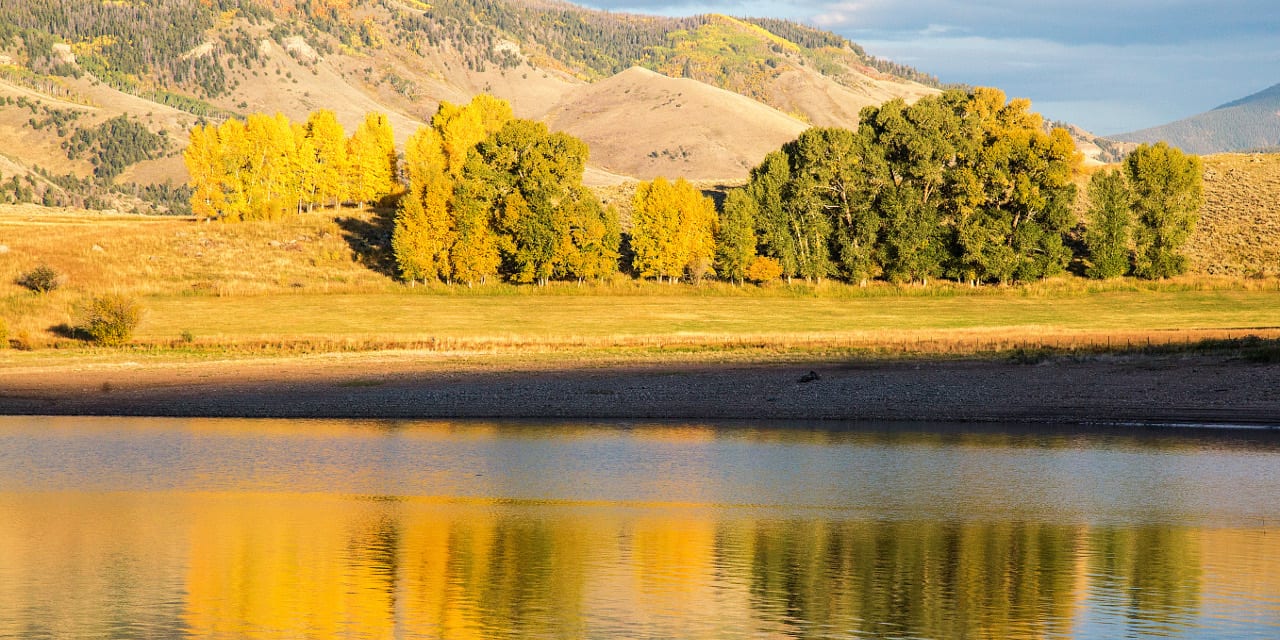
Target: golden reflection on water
pixel 233 565
pixel 250 529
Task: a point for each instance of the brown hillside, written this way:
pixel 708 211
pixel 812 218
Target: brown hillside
pixel 643 124
pixel 1239 229
pixel 825 102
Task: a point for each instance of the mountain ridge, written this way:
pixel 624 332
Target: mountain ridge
pixel 1250 123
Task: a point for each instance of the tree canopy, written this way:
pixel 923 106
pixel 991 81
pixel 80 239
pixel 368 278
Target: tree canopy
pixel 673 230
pixel 964 184
pixel 1167 188
pixel 264 167
pixel 492 195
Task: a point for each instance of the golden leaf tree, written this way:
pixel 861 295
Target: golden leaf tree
pixel 673 230
pixel 371 160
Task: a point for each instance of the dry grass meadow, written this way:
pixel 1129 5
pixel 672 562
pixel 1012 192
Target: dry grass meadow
pixel 322 283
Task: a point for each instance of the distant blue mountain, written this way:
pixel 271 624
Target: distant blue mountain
pixel 1242 125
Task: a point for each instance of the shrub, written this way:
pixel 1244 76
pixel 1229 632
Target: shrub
pixel 41 279
pixel 4 334
pixel 764 269
pixel 109 320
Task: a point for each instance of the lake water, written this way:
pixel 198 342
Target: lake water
pixel 161 528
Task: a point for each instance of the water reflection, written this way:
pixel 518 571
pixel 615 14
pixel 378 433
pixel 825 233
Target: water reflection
pixel 273 566
pixel 485 547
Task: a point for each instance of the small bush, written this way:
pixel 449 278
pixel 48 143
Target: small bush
pixel 41 279
pixel 24 341
pixel 764 269
pixel 109 320
pixel 4 334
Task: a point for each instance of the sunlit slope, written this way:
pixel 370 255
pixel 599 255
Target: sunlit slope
pixel 644 124
pixel 226 58
pixel 1239 229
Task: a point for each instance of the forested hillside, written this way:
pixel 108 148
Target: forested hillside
pixel 1251 123
pixel 142 74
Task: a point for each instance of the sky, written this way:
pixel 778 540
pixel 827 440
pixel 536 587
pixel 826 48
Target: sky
pixel 1110 66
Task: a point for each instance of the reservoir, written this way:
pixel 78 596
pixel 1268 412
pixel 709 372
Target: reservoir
pixel 221 528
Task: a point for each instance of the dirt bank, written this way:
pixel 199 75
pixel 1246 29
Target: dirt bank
pixel 1149 389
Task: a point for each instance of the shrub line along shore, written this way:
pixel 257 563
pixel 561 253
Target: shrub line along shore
pixel 1130 389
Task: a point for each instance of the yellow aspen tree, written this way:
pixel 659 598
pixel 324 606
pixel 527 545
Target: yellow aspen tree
pixel 371 160
pixel 698 226
pixel 462 127
pixel 329 142
pixel 236 153
pixel 304 167
pixel 203 158
pixel 271 161
pixel 474 255
pixel 673 230
pixel 423 231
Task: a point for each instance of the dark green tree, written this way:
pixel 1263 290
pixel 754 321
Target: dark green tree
pixel 767 188
pixel 736 237
pixel 833 190
pixel 1110 219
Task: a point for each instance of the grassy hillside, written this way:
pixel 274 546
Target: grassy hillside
pixel 642 124
pixel 1246 124
pixel 157 62
pixel 1239 229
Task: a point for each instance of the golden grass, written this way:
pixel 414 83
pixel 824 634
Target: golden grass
pixel 307 286
pixel 1239 228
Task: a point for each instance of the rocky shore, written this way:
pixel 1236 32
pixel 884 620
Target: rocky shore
pixel 1115 389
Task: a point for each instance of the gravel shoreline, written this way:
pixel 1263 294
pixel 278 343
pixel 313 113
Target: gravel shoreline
pixel 1100 390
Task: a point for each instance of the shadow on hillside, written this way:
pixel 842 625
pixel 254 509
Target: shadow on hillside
pixel 718 193
pixel 65 330
pixel 368 233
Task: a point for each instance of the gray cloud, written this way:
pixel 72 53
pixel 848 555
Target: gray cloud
pixel 1108 65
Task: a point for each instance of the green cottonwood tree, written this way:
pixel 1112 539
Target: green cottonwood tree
pixel 736 238
pixel 547 225
pixel 1109 223
pixel 1167 187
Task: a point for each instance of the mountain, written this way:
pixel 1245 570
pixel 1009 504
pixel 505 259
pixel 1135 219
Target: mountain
pixel 70 70
pixel 1246 124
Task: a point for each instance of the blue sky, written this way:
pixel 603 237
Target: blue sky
pixel 1108 65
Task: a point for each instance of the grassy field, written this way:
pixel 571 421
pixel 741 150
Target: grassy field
pixel 601 317
pixel 321 284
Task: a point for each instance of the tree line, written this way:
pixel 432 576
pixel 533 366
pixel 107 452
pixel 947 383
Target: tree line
pixel 264 167
pixel 966 185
